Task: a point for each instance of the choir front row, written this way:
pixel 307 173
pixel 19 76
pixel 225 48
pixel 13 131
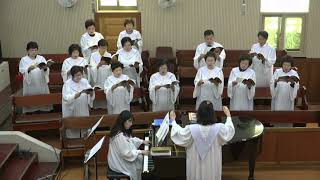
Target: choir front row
pixel 119 76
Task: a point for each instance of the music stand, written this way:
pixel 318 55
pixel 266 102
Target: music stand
pixel 93 153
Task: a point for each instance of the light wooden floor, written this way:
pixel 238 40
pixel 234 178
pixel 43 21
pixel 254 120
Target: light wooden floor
pixel 301 171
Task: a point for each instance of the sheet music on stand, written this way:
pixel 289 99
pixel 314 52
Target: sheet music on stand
pixel 163 130
pixel 90 153
pixel 94 127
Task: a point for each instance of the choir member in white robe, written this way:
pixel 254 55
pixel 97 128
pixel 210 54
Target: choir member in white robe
pixel 209 83
pixel 241 85
pixel 89 40
pixel 131 60
pixel 163 88
pixel 284 86
pixel 100 67
pixel 203 48
pixel 74 60
pixel 131 33
pixel 76 99
pixel 203 142
pixel 118 90
pixel 124 155
pixel 35 78
pixel 264 56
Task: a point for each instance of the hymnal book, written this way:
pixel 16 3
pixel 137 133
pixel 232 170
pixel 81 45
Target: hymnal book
pixel 160 151
pixel 215 80
pixel 89 90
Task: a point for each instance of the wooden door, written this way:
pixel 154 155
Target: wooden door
pixel 111 24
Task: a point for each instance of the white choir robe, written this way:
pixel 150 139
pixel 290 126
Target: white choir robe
pixel 69 63
pixel 72 107
pixel 124 155
pixel 129 58
pixel 87 41
pixel 119 99
pixel 209 91
pixel 203 49
pixel 241 97
pixel 99 75
pixel 203 148
pixel 263 71
pixel 163 99
pixel 283 95
pixel 35 82
pixel 134 35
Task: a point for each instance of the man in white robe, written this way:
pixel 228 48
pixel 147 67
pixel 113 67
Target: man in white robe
pixel 163 88
pixel 74 60
pixel 118 94
pixel 241 85
pixel 75 100
pixel 132 33
pixel 284 86
pixel 203 145
pixel 35 78
pixel 203 48
pixel 264 56
pixel 131 60
pixel 89 40
pixel 209 83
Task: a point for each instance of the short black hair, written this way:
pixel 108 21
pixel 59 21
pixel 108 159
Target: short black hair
pixel 288 59
pixel 74 47
pixel 89 22
pixel 32 45
pixel 116 65
pixel 208 32
pixel 128 21
pixel 126 39
pixel 75 69
pixel 162 62
pixel 245 57
pixel 264 34
pixel 119 125
pixel 206 114
pixel 102 42
pixel 210 54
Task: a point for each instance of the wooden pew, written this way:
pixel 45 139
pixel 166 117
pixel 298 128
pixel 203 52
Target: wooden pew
pixel 55 82
pixel 23 122
pixel 186 92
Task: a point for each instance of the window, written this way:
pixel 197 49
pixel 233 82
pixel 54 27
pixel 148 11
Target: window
pixel 117 5
pixel 286 29
pixel 284 6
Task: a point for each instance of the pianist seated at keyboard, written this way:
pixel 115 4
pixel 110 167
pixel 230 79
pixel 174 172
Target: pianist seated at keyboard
pixel 124 155
pixel 203 142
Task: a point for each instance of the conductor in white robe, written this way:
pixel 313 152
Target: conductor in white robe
pixel 124 155
pixel 209 83
pixel 89 40
pixel 264 56
pixel 118 89
pixel 241 85
pixel 77 98
pixel 74 52
pixel 131 60
pixel 203 48
pixel 131 33
pixel 284 86
pixel 163 88
pixel 35 76
pixel 203 142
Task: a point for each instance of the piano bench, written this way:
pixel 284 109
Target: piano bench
pixel 112 175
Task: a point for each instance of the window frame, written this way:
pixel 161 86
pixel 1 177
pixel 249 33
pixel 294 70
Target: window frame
pixel 281 40
pixel 117 8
